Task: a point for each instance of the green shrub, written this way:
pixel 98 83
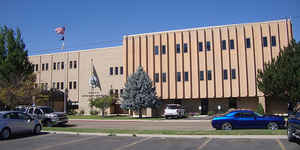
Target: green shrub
pixel 210 113
pixel 94 112
pixel 81 112
pixel 260 109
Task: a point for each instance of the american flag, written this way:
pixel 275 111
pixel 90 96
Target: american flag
pixel 60 30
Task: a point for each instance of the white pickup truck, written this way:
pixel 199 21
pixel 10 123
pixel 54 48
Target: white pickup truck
pixel 174 111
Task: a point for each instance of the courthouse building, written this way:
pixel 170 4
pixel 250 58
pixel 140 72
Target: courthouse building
pixel 208 66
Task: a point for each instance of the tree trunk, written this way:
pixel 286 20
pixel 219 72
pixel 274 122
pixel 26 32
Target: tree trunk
pixel 140 113
pixel 103 109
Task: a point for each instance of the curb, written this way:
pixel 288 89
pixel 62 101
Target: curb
pixel 178 136
pixel 97 120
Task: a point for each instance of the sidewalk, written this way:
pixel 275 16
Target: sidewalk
pixel 182 136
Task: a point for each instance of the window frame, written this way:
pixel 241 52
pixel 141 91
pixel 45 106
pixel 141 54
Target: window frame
pixel 225 74
pixel 231 44
pixel 163 49
pixel 223 44
pixel 265 41
pixel 111 71
pixel 156 50
pixel 201 75
pixel 186 76
pixel 185 47
pixel 156 77
pixel 248 43
pixel 200 46
pixel 178 76
pixel 164 77
pixel 177 48
pixel 233 73
pixel 209 75
pixel 208 46
pixel 273 41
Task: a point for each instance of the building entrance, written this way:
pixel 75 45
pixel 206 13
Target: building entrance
pixel 204 106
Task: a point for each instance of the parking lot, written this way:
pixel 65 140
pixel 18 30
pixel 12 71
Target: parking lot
pixel 91 142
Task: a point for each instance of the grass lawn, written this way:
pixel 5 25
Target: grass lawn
pixel 108 117
pixel 169 132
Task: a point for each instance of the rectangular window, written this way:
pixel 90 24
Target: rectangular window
pixel 61 85
pixel 70 85
pixel 57 85
pixel 121 70
pixel 273 40
pixel 43 67
pixel 47 66
pixel 58 65
pixel 111 70
pixel 185 48
pixel 54 66
pixel 75 64
pixel 74 85
pixel 121 91
pixel 208 74
pixel 117 92
pixel 201 75
pixel 186 76
pixel 265 41
pixel 36 67
pixel 208 45
pixel 71 64
pixel 156 77
pixel 177 48
pixel 231 44
pixel 200 46
pixel 178 76
pixel 163 49
pixel 225 74
pixel 248 43
pixel 53 85
pixel 62 65
pixel 156 49
pixel 164 77
pixel 233 74
pixel 223 44
pixel 116 70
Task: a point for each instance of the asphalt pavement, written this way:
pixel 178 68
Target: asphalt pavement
pixel 92 142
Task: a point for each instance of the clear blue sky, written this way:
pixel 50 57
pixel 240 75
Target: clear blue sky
pixel 100 23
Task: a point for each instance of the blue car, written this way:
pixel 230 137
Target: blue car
pixel 247 119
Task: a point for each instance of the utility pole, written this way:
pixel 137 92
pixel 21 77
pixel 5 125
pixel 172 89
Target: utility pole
pixel 65 100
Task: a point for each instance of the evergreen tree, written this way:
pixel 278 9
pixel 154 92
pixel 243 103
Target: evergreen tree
pixel 16 72
pixel 281 76
pixel 139 92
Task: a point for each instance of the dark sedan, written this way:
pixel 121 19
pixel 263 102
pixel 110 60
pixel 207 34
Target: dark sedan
pixel 246 119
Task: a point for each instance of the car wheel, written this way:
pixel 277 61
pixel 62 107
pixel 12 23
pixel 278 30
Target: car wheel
pixel 37 129
pixel 290 135
pixel 226 126
pixel 272 126
pixel 5 134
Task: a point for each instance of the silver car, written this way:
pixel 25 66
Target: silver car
pixel 15 122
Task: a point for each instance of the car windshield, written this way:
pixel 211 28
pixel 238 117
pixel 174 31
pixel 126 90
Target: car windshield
pixel 47 110
pixel 258 114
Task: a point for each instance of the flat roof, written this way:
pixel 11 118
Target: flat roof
pixel 207 27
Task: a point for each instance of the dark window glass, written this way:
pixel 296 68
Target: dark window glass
pixel 164 77
pixel 208 74
pixel 121 91
pixel 54 66
pixel 71 64
pixel 43 66
pixel 177 48
pixel 117 92
pixel 248 43
pixel 70 85
pixel 178 76
pixel 47 66
pixel 265 41
pixel 75 64
pixel 225 74
pixel 111 71
pixel 62 65
pixel 156 77
pixel 121 70
pixel 156 49
pixel 185 48
pixel 201 75
pixel 200 46
pixel 53 85
pixel 74 85
pixel 223 44
pixel 163 49
pixel 57 85
pixel 232 103
pixel 231 44
pixel 58 65
pixel 36 67
pixel 116 70
pixel 186 76
pixel 273 40
pixel 61 85
pixel 208 45
pixel 233 74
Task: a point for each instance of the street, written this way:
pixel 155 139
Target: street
pixel 51 141
pixel 183 125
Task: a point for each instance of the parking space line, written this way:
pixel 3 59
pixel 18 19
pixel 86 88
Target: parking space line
pixel 133 143
pixel 25 138
pixel 66 143
pixel 204 144
pixel 280 144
